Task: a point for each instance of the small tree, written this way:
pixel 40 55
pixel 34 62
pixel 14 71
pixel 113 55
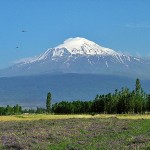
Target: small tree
pixel 16 109
pixel 48 103
pixel 138 87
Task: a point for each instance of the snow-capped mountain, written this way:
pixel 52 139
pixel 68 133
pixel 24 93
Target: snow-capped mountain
pixel 75 46
pixel 79 55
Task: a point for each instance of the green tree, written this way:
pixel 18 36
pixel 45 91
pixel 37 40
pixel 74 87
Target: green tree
pixel 8 110
pixel 148 103
pixel 48 103
pixel 138 87
pixel 140 97
pixel 20 109
pixel 16 109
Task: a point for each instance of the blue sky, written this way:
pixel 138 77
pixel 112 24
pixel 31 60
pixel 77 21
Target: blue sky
pixel 122 25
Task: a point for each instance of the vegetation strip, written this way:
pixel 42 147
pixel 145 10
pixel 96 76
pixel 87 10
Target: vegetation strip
pixel 76 134
pixel 120 102
pixel 59 117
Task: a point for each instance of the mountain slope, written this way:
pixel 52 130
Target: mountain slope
pixel 30 91
pixel 79 55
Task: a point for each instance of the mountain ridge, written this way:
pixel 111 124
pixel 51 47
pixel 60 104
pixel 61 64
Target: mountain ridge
pixel 76 46
pixel 79 55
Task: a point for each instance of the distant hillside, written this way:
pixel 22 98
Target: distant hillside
pixel 31 91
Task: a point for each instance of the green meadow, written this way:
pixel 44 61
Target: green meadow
pixel 75 132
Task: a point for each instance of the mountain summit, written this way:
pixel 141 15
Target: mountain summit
pixel 79 55
pixel 76 47
pixel 83 46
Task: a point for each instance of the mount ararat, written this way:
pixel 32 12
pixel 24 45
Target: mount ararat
pixel 78 69
pixel 79 55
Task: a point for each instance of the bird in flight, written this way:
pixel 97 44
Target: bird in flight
pixel 17 47
pixel 23 31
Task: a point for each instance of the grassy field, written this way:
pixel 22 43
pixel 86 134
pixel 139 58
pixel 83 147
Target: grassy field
pixel 52 117
pixel 75 132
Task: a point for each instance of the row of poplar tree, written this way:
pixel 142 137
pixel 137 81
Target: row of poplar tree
pixel 120 102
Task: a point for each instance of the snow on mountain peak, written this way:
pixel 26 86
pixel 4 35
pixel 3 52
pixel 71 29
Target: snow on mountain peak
pixel 73 46
pixel 79 55
pixel 73 43
pixel 83 46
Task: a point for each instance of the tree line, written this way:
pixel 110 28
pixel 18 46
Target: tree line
pixel 16 110
pixel 11 110
pixel 119 102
